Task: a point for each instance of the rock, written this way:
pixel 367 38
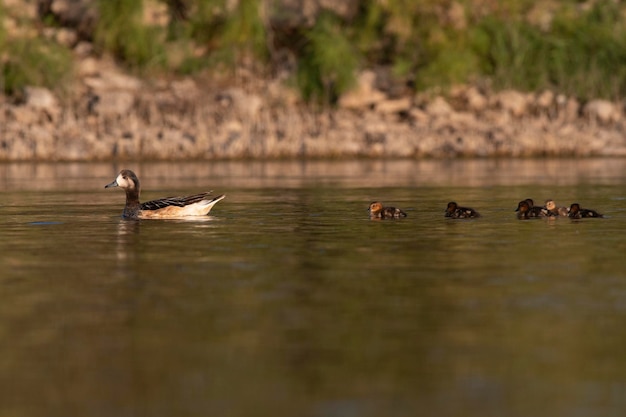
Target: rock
pixel 155 13
pixel 112 103
pixel 572 108
pixel 476 101
pixel 112 80
pixel 364 95
pixel 455 16
pixel 513 102
pixel 418 115
pixel 601 111
pixel 41 98
pixel 83 49
pixel 281 95
pixel 246 106
pixel 394 106
pixel 186 89
pixel 346 9
pixel 43 144
pixel 293 13
pixel 66 37
pixel 42 101
pixel 545 100
pixel 21 115
pixel 88 67
pixel 439 107
pixel 81 15
pixel 389 83
pixel 568 108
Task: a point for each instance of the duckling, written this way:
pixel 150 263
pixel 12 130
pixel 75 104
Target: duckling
pixel 576 212
pixel 456 212
pixel 526 211
pixel 553 210
pixel 378 211
pixel 169 207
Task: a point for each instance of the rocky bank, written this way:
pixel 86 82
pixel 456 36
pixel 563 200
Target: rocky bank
pixel 111 115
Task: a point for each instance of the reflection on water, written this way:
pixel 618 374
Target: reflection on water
pixel 288 300
pixel 356 173
pixel 127 240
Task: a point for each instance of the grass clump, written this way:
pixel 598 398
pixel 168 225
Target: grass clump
pixel 581 51
pixel 327 64
pixel 121 32
pixel 231 36
pixel 31 61
pixel 580 55
pixel 34 62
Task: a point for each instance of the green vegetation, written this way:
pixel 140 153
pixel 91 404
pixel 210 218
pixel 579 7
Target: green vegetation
pixel 571 46
pixel 121 32
pixel 328 61
pixel 583 55
pixel 30 61
pixel 34 62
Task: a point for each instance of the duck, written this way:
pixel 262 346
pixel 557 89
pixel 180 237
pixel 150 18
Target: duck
pixel 527 211
pixel 378 211
pixel 576 212
pixel 555 211
pixel 456 212
pixel 164 208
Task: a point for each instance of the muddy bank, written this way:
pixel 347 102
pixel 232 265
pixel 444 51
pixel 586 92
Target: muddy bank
pixel 110 115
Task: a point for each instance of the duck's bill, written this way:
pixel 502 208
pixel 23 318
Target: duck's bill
pixel 113 184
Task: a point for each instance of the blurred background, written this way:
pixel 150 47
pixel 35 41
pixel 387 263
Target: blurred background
pixel 207 79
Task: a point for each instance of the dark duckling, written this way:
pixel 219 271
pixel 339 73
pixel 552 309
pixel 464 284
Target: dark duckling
pixel 576 212
pixel 456 212
pixel 378 211
pixel 526 211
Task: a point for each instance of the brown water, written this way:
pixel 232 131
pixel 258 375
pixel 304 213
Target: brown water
pixel 289 301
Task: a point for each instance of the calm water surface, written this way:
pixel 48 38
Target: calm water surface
pixel 289 301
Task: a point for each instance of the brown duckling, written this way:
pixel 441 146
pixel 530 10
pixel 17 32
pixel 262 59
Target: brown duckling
pixel 526 211
pixel 553 210
pixel 456 212
pixel 378 211
pixel 576 212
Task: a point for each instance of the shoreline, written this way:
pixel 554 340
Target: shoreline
pixel 108 115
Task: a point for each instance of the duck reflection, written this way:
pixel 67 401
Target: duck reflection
pixel 127 239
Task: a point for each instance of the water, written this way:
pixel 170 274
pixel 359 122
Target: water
pixel 289 301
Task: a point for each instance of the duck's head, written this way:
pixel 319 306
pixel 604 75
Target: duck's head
pixel 126 180
pixel 452 206
pixel 530 202
pixel 523 206
pixel 550 205
pixel 376 207
pixel 574 208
